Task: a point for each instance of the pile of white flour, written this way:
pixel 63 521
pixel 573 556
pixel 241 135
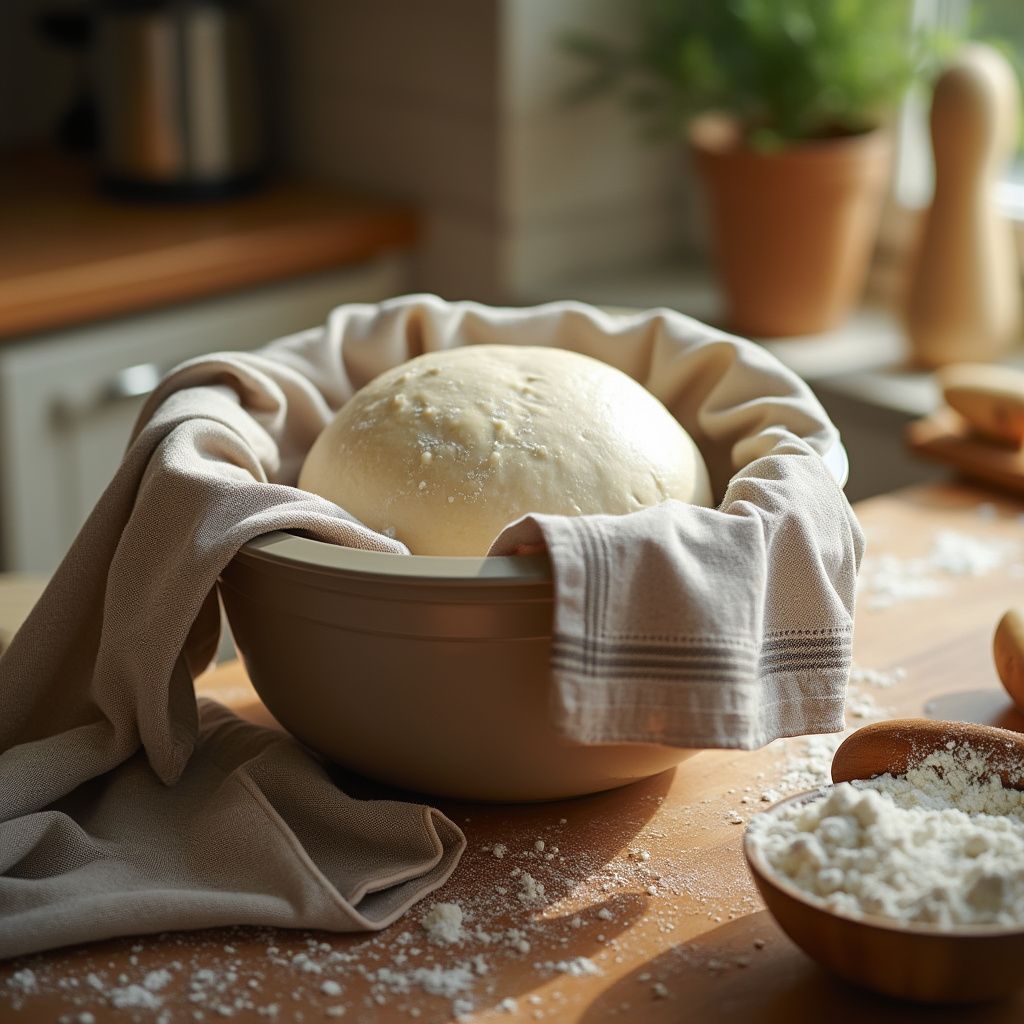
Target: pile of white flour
pixel 943 844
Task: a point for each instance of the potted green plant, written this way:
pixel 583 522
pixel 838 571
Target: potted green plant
pixel 786 104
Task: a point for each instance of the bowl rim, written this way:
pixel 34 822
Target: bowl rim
pixel 285 548
pixel 290 549
pixel 760 868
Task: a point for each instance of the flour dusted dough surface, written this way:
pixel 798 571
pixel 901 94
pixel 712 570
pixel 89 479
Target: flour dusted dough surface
pixel 446 450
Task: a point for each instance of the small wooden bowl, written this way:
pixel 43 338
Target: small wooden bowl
pixel 911 961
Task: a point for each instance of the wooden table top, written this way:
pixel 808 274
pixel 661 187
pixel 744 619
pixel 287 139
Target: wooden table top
pixel 69 254
pixel 649 913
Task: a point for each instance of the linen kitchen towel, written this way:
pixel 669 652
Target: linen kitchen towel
pixel 698 627
pixel 252 832
pixel 123 809
pixel 682 625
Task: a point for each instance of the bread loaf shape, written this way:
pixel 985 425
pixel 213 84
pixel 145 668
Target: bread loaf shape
pixel 447 449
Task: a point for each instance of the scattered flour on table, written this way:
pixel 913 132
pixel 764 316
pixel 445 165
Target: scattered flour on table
pixel 943 844
pixel 863 707
pixel 578 967
pixel 134 997
pixel 861 704
pixel 524 900
pixel 530 890
pixel 886 580
pixel 808 765
pixel 443 923
pixel 23 980
pixel 860 676
pixel 156 980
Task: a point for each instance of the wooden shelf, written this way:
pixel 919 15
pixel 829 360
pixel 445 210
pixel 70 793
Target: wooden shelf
pixel 69 254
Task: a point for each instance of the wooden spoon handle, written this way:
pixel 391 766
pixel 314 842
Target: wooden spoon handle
pixel 897 745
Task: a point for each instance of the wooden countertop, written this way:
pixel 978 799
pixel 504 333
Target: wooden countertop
pixel 647 883
pixel 69 254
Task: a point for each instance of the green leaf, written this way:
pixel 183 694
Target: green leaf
pixel 787 69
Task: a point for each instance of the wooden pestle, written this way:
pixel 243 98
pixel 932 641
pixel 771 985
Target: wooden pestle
pixel 964 301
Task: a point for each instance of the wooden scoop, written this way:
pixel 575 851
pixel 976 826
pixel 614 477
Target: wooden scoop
pixel 897 745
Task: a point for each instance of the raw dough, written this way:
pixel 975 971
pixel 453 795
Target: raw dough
pixel 446 450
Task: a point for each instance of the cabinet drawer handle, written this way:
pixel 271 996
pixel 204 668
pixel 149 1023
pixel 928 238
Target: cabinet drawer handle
pixel 130 383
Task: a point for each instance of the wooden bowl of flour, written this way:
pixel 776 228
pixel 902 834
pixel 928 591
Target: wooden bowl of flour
pixel 921 962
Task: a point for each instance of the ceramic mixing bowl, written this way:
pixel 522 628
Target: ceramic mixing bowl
pixel 912 961
pixel 427 673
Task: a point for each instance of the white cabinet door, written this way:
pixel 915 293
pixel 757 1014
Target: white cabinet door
pixel 68 400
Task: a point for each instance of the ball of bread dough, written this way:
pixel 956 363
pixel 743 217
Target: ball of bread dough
pixel 446 450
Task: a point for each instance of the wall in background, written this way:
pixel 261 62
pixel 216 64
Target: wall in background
pixel 400 98
pixel 583 191
pixel 457 105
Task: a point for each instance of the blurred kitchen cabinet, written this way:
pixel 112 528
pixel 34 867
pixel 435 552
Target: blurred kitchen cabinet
pixel 69 398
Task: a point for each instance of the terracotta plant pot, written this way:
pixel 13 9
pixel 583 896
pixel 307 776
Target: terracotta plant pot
pixel 792 230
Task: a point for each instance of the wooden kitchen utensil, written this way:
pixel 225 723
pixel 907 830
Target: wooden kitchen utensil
pixel 896 745
pixel 964 296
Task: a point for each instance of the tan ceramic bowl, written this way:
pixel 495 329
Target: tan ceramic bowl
pixel 911 961
pixel 427 673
